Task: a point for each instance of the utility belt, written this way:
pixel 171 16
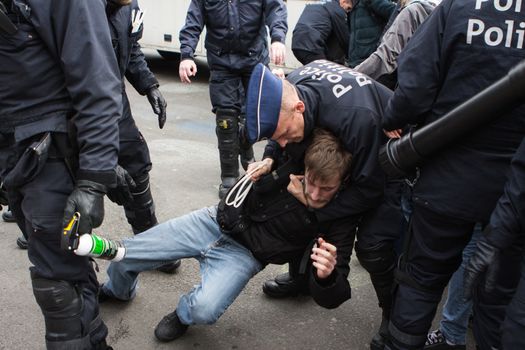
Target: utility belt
pixel 35 152
pixel 219 49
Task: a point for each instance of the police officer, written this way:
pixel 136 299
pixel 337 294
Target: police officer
pixel 133 192
pixel 236 40
pixel 507 227
pixel 58 149
pixel 458 51
pixel 350 105
pixel 321 32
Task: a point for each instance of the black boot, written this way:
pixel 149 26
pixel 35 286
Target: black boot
pixel 21 242
pixel 8 216
pixel 141 214
pixel 379 340
pixel 288 284
pixel 245 149
pixel 170 328
pixel 227 121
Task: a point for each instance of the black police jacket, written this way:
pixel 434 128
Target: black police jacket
pixel 350 105
pixel 321 33
pixel 60 63
pixel 236 34
pixel 126 30
pixel 508 219
pixel 452 56
pixel 277 229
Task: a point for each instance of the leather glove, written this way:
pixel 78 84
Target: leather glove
pixel 122 193
pixel 88 199
pixel 158 103
pixel 485 259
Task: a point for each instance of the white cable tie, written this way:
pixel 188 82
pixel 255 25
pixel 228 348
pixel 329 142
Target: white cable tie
pixel 241 188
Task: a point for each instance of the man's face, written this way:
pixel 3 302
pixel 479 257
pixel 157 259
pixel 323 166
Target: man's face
pixel 290 127
pixel 320 192
pixel 346 5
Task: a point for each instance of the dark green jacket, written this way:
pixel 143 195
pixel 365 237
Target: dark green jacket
pixel 366 21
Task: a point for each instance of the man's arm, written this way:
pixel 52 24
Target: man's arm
pixel 275 14
pixel 384 60
pixel 311 33
pixel 332 291
pixel 418 66
pixel 189 34
pixel 82 42
pixel 138 72
pixel 508 219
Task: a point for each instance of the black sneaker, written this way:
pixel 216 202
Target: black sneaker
pixel 170 328
pixel 226 184
pixel 21 242
pixel 8 216
pixel 436 341
pixel 170 267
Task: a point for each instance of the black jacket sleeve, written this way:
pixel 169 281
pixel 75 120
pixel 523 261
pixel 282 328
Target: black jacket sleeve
pixel 311 33
pixel 190 33
pixel 77 32
pixel 276 14
pixel 508 219
pixel 138 72
pixel 335 290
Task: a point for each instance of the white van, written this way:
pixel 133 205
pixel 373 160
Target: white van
pixel 164 19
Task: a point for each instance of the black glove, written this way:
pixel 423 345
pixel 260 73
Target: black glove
pixel 158 103
pixel 485 258
pixel 88 199
pixel 122 193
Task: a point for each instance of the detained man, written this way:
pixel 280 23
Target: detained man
pixel 274 224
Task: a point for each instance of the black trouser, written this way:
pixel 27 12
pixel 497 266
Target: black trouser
pixel 513 329
pixel 377 234
pixel 433 254
pixel 227 95
pixel 38 205
pixel 134 156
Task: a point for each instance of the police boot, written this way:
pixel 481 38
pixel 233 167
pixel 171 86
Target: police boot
pixel 227 130
pixel 380 338
pixel 141 214
pixel 8 216
pixel 65 313
pixel 245 148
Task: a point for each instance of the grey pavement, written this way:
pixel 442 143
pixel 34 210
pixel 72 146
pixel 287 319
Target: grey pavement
pixel 185 177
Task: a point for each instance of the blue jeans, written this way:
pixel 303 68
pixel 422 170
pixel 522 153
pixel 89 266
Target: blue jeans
pixel 456 311
pixel 225 265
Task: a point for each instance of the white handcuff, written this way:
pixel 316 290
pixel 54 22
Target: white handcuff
pixel 242 188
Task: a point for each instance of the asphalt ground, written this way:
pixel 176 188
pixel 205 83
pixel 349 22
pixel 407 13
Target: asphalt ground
pixel 185 177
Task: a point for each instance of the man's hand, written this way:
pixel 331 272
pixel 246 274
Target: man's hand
pixel 279 73
pixel 485 259
pixel 324 258
pixel 296 188
pixel 187 69
pixel 122 193
pixel 158 103
pixel 266 166
pixel 277 53
pixel 393 134
pixel 88 199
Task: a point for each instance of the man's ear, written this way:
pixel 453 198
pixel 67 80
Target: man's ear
pixel 299 106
